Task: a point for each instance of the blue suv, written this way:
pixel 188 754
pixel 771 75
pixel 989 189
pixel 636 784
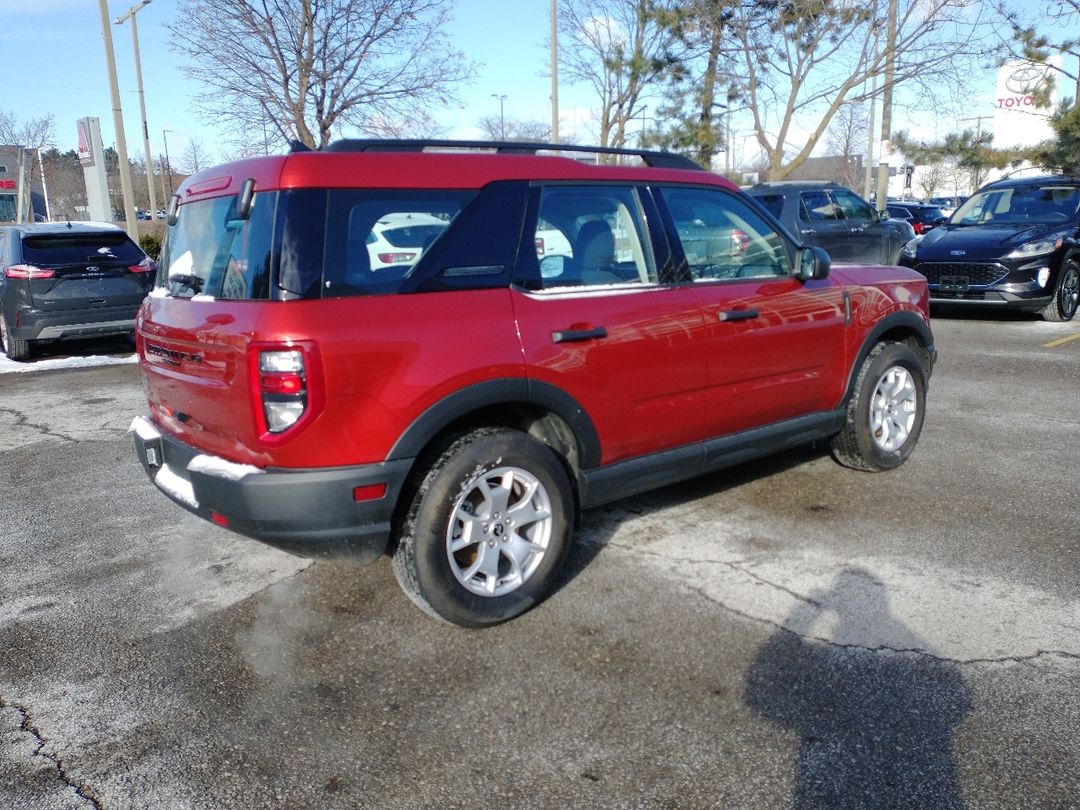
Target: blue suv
pixel 1012 244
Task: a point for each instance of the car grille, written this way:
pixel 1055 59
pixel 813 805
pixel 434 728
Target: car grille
pixel 976 272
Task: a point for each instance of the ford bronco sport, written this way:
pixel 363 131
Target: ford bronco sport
pixel 460 406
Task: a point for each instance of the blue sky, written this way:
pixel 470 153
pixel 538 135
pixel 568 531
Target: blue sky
pixel 55 60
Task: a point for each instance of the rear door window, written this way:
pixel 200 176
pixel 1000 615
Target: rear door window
pixel 818 206
pixel 592 236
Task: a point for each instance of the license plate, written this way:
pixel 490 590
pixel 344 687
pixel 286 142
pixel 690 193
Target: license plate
pixel 953 284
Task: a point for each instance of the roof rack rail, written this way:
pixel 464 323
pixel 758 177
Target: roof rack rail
pixel 651 158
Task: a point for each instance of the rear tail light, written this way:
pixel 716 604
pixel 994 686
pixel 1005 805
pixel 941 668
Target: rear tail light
pixel 539 246
pixel 28 271
pixel 147 265
pixel 286 387
pixel 283 388
pixel 396 258
pixel 918 226
pixel 740 241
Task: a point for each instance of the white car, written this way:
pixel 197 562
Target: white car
pixel 399 239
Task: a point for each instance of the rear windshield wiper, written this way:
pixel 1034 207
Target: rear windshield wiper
pixel 183 280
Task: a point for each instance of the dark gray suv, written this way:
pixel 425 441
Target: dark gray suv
pixel 68 280
pixel 833 217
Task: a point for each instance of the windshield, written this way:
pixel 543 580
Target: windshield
pixel 1020 206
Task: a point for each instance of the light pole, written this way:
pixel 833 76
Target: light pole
pixel 142 102
pixel 168 166
pixel 502 117
pixel 118 123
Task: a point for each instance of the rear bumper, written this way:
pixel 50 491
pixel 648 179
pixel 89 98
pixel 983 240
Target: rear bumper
pixel 308 512
pixel 36 324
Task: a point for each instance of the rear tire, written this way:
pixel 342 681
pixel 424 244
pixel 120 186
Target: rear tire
pixel 488 530
pixel 885 412
pixel 1066 294
pixel 14 348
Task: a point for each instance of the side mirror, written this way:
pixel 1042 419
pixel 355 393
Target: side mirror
pixel 883 215
pixel 814 263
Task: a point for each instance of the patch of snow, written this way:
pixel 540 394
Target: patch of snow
pixel 220 468
pixel 144 429
pixel 159 292
pixel 11 367
pixel 174 485
pixel 203 297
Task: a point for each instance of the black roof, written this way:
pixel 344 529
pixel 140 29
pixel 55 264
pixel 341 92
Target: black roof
pixel 1040 180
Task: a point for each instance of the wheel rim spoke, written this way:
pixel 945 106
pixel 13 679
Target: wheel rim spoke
pixel 500 531
pixel 893 407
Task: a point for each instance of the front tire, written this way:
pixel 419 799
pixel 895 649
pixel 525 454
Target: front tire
pixel 885 412
pixel 488 530
pixel 1066 294
pixel 13 347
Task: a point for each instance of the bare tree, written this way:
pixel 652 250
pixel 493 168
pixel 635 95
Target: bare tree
pixel 803 60
pixel 308 69
pixel 37 133
pixel 195 157
pixel 846 139
pixel 496 128
pixel 621 50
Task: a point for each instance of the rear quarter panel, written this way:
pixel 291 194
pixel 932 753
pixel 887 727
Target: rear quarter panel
pixel 383 360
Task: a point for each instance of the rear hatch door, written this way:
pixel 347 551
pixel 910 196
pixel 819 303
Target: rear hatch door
pixel 86 270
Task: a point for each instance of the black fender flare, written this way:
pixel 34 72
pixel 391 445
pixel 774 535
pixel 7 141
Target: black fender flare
pixel 506 391
pixel 897 320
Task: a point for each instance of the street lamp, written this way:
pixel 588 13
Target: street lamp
pixel 142 100
pixel 502 117
pixel 168 166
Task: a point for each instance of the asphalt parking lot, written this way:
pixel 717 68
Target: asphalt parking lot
pixel 785 634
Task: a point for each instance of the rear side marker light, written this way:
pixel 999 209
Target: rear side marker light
pixel 219 519
pixel 369 492
pixel 28 271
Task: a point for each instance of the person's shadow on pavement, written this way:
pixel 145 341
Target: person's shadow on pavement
pixel 875 726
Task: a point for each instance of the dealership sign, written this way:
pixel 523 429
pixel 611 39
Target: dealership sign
pixel 1018 118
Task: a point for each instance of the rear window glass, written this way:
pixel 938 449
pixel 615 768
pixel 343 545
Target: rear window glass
pixel 81 248
pixel 774 203
pixel 209 251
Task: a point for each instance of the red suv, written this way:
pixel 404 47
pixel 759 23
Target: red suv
pixel 459 403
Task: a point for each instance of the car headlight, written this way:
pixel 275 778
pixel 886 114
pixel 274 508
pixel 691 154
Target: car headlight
pixel 1036 248
pixel 910 250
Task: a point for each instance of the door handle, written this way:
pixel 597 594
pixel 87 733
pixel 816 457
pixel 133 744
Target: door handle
pixel 807 231
pixel 577 335
pixel 737 314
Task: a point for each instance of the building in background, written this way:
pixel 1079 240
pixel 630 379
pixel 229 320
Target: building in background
pixel 9 184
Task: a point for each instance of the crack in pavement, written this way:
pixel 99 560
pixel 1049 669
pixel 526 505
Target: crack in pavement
pixel 22 421
pixel 27 726
pixel 882 648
